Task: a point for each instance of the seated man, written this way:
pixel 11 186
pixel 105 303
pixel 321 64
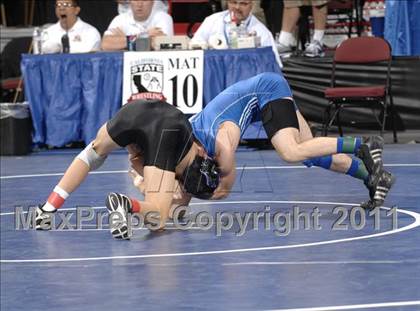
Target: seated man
pixel 267 96
pixel 141 20
pixel 239 12
pixel 167 148
pixel 70 30
pixel 291 14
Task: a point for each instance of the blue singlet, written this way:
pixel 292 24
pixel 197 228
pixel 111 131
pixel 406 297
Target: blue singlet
pixel 240 103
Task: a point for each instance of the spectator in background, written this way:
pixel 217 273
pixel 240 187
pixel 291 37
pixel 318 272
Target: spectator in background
pixel 291 14
pixel 141 19
pixel 82 37
pixel 240 10
pixel 271 12
pixel 374 11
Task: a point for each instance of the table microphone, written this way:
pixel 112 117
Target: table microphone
pixel 65 42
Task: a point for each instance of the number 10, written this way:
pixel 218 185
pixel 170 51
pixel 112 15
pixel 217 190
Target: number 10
pixel 189 82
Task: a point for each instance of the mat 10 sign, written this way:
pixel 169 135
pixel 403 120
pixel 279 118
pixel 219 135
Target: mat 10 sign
pixel 176 77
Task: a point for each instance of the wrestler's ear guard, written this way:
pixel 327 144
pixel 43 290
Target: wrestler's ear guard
pixel 201 177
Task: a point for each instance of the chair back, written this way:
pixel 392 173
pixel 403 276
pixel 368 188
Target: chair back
pixel 363 50
pixel 11 56
pixel 339 5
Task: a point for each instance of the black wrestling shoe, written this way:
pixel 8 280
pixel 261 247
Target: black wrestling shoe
pixel 379 191
pixel 370 152
pixel 121 204
pixel 43 218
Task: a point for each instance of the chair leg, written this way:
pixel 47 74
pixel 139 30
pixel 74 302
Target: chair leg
pixel 334 116
pixel 393 112
pixel 384 113
pixel 358 18
pixel 340 129
pixel 326 121
pixel 350 24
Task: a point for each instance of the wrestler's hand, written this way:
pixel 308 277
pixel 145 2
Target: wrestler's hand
pixel 220 193
pixel 180 197
pixel 138 180
pixel 117 32
pixel 155 31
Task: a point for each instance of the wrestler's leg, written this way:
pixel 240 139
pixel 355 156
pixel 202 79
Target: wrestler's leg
pixel 282 127
pixel 89 159
pixel 340 163
pixel 159 185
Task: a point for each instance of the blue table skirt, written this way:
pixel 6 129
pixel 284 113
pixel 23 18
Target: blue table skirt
pixel 72 95
pixel 402 27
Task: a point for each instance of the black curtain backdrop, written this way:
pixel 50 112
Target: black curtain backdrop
pixel 308 79
pixel 194 12
pixel 98 13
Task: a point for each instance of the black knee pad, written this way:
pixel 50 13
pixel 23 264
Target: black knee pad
pixel 279 114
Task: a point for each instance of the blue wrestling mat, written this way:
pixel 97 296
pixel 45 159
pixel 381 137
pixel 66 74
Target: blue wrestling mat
pixel 287 238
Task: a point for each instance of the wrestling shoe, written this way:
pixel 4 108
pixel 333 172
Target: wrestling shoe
pixel 371 188
pixel 119 204
pixel 43 219
pixel 370 152
pixel 379 191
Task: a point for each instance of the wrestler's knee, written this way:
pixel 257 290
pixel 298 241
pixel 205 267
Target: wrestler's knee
pixel 289 153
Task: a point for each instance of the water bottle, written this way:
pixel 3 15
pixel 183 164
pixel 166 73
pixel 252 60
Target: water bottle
pixel 233 31
pixel 233 37
pixel 131 42
pixel 37 41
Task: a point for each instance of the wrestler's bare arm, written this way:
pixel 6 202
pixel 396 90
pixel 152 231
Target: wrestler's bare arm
pixel 227 141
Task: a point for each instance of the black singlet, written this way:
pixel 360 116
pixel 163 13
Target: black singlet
pixel 161 131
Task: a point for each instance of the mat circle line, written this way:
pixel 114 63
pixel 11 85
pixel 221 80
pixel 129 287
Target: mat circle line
pixel 413 225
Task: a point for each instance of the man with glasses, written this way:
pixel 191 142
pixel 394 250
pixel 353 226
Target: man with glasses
pixel 70 33
pixel 239 12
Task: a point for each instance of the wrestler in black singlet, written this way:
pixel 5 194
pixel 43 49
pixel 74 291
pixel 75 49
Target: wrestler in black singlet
pixel 161 131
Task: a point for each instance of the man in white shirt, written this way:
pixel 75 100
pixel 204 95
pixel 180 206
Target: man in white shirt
pixel 82 37
pixel 140 20
pixel 238 12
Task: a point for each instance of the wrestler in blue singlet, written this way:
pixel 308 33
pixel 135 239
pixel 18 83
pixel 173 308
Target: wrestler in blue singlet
pixel 240 103
pixel 267 97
